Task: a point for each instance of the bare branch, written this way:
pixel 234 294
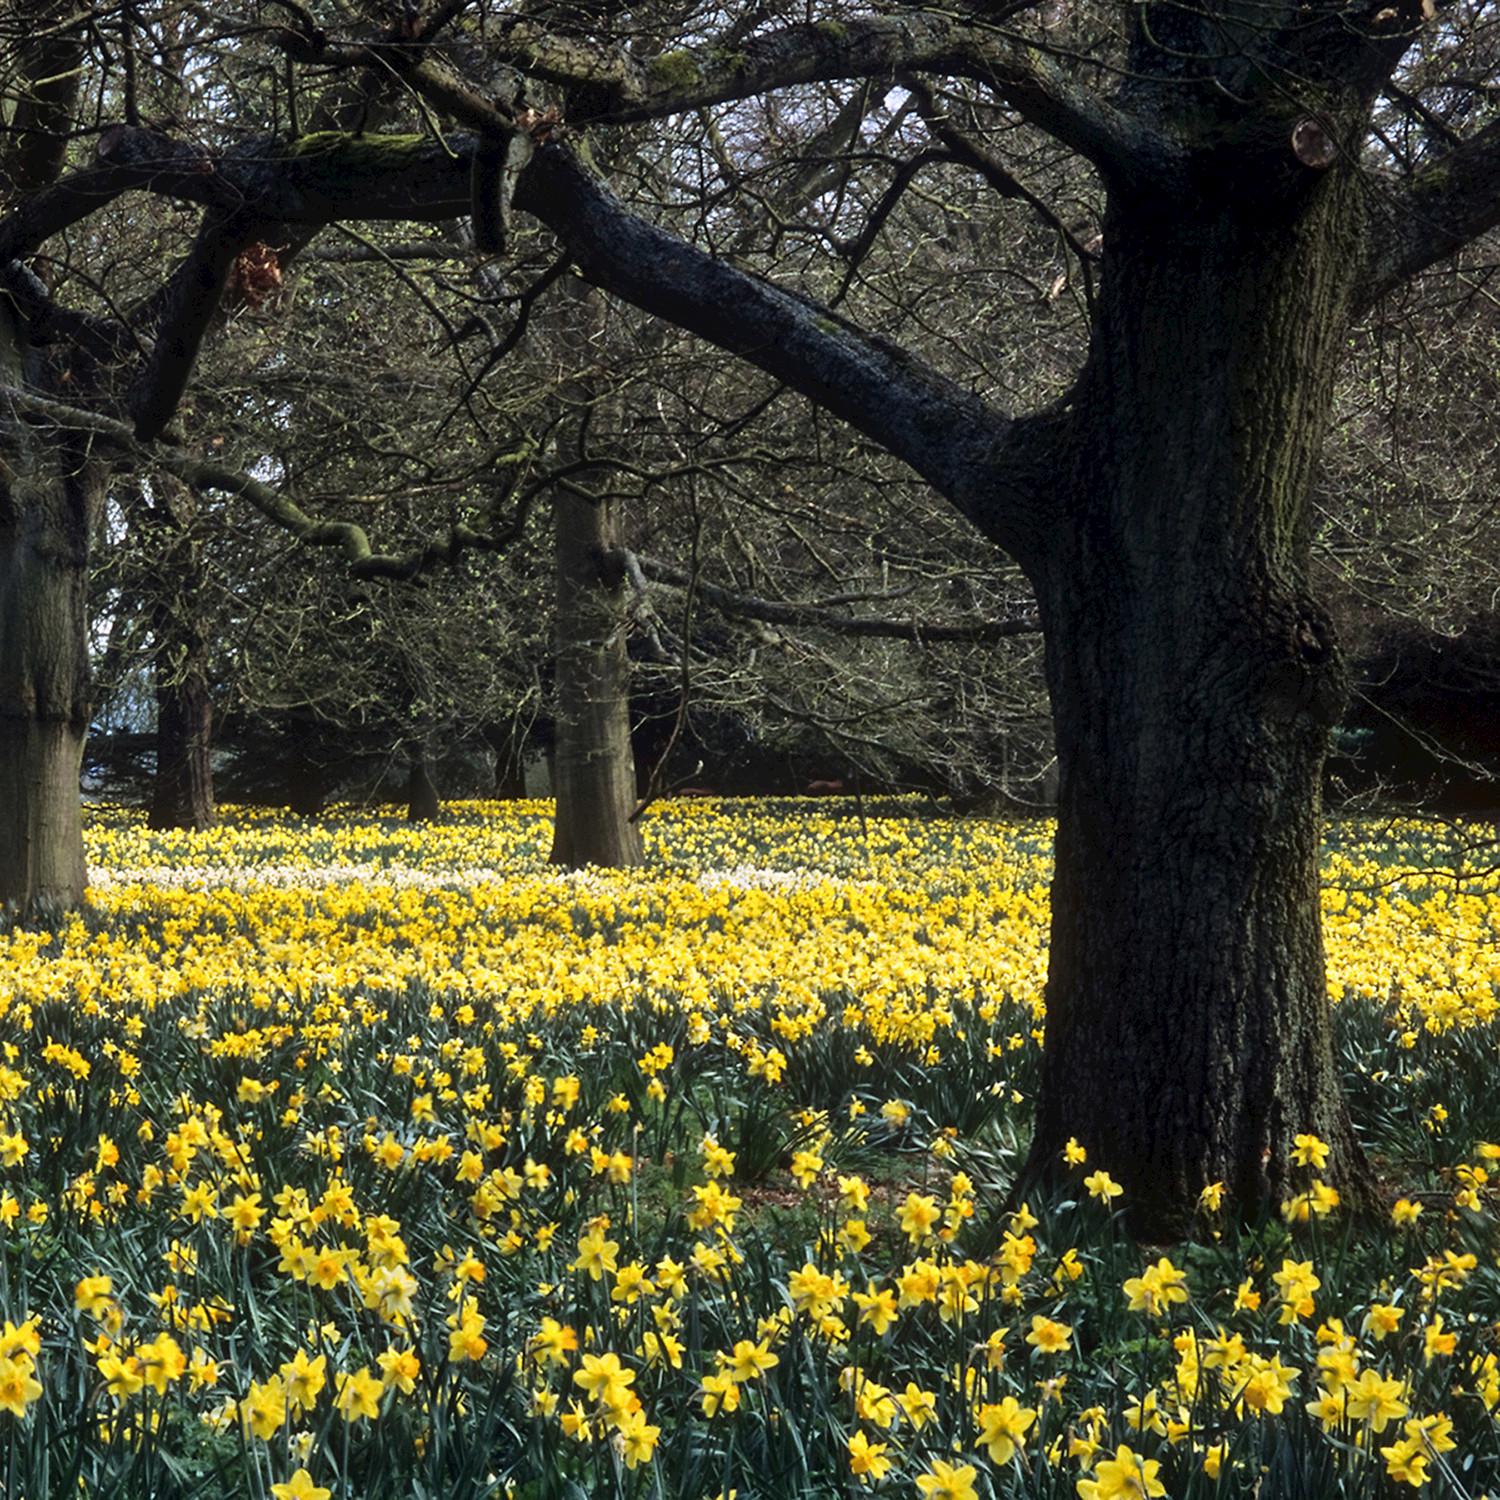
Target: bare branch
pixel 969 452
pixel 611 85
pixel 778 612
pixel 963 148
pixel 44 90
pixel 607 84
pixel 274 504
pixel 1434 213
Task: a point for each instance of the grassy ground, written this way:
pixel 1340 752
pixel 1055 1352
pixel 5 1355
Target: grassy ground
pixel 351 1157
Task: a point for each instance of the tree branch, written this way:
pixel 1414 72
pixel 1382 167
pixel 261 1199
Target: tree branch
pixel 856 250
pixel 274 504
pixel 777 612
pixel 187 307
pixel 72 199
pixel 614 87
pixel 44 91
pixel 307 183
pixel 1437 211
pixel 606 84
pixel 310 181
pixel 101 339
pixel 971 453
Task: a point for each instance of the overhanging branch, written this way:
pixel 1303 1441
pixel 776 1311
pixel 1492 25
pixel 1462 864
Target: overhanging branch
pixel 608 84
pixel 778 612
pixel 968 451
pixel 1434 213
pixel 308 183
pixel 275 504
pixel 188 305
pixel 975 456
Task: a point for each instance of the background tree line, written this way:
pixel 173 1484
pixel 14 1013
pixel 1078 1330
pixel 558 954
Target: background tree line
pixel 310 687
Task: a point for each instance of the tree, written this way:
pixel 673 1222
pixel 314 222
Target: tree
pixel 51 490
pixel 1410 531
pixel 1253 206
pixel 593 769
pixel 1161 512
pixel 168 532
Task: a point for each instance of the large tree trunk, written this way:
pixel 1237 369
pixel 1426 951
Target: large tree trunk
pixel 1194 683
pixel 593 769
pixel 50 493
pixel 44 691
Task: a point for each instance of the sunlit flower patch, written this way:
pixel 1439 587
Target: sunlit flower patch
pixel 348 1158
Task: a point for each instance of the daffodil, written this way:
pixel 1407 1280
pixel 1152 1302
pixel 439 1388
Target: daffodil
pixel 1126 1476
pixel 300 1487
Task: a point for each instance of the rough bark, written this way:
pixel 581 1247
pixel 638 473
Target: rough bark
pixel 594 769
pixel 593 764
pixel 50 492
pixel 1194 682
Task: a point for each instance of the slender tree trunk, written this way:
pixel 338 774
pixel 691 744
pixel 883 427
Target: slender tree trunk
pixel 594 769
pixel 422 801
pixel 510 761
pixel 183 790
pixel 593 766
pixel 1194 682
pixel 50 495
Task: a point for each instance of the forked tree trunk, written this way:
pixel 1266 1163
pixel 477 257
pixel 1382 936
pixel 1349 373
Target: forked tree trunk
pixel 593 767
pixel 1194 682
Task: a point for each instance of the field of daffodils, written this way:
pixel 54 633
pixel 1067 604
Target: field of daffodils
pixel 351 1159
